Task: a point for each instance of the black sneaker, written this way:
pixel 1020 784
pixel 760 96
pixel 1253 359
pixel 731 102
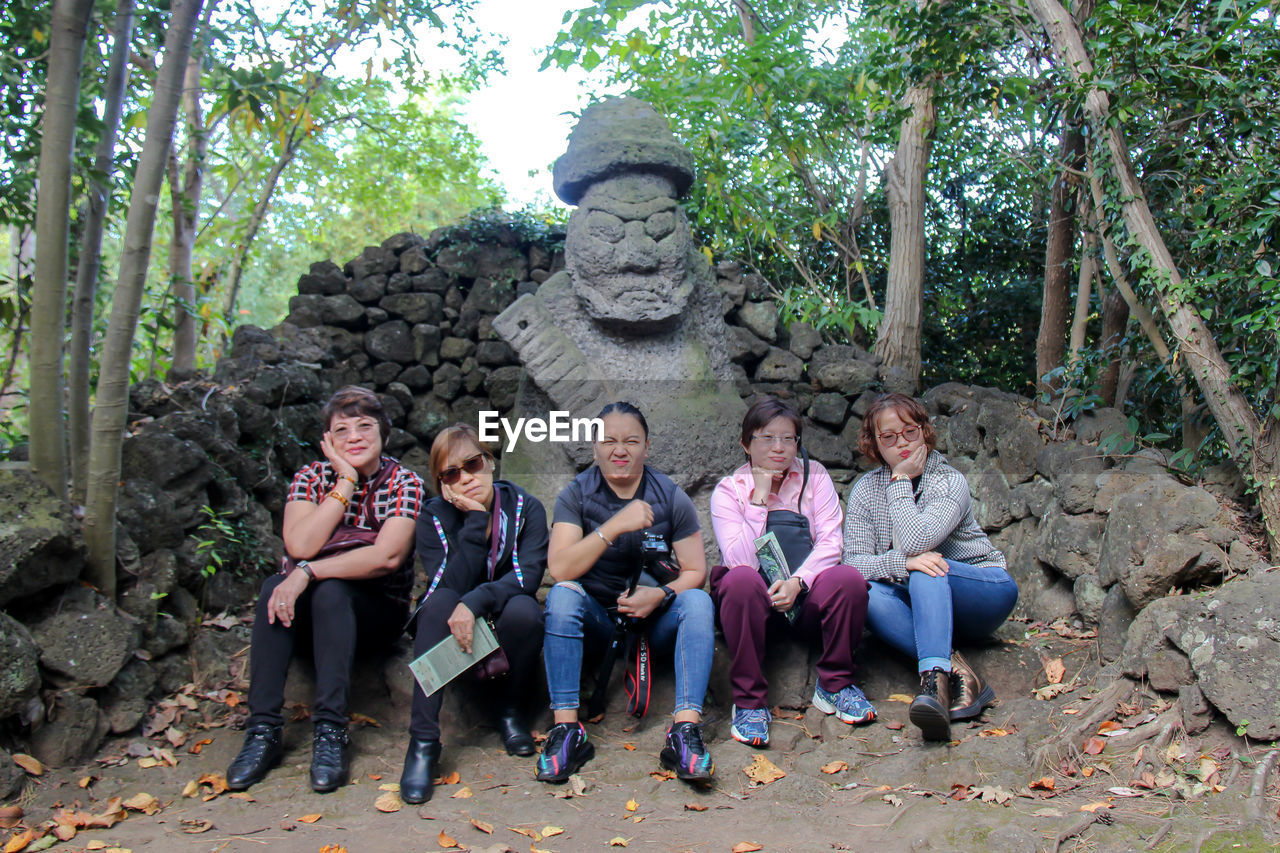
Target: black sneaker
pixel 261 751
pixel 330 763
pixel 686 754
pixel 565 751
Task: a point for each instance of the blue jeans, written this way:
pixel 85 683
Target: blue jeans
pixel 574 617
pixel 922 616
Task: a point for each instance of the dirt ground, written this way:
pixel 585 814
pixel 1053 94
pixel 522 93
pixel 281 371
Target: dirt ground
pixel 1005 784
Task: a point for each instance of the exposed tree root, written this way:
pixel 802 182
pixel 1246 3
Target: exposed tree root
pixel 1098 709
pixel 1254 808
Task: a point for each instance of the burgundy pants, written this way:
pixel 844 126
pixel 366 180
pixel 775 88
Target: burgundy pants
pixel 833 610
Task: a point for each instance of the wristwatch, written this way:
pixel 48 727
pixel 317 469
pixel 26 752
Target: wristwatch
pixel 668 596
pixel 306 569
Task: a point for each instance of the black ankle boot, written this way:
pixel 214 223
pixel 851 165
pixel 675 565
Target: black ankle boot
pixel 931 710
pixel 421 761
pixel 330 762
pixel 261 751
pixel 515 734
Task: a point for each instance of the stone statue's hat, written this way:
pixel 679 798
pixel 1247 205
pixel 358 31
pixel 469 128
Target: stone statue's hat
pixel 617 136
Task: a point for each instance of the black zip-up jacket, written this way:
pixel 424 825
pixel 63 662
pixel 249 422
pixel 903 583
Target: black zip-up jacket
pixel 466 570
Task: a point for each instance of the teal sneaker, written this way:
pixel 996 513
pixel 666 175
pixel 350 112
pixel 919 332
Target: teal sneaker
pixel 564 752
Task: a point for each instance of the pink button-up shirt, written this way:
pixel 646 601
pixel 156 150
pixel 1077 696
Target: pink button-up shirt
pixel 738 523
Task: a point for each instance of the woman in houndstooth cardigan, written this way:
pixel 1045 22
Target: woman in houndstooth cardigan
pixel 935 576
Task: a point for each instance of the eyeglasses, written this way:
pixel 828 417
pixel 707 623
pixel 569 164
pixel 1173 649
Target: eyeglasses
pixel 910 433
pixel 771 440
pixel 453 473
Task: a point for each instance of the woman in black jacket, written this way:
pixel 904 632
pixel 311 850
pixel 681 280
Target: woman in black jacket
pixel 483 544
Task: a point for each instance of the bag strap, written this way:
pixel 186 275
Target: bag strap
pixel 444 545
pixel 804 454
pixel 371 493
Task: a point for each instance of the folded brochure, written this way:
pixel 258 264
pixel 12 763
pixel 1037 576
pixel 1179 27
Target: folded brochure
pixel 773 565
pixel 446 660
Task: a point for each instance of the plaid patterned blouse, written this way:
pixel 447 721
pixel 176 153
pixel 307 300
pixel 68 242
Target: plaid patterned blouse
pixel 885 523
pixel 399 497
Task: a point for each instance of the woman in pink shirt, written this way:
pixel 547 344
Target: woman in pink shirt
pixel 830 599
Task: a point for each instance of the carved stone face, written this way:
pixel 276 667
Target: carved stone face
pixel 627 251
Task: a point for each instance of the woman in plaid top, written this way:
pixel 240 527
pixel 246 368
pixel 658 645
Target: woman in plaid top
pixel 934 574
pixel 348 535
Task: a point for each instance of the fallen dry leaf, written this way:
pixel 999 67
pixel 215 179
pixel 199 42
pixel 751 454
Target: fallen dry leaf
pixel 892 799
pixel 763 771
pixel 1087 772
pixel 617 841
pixel 390 786
pixel 530 833
pixel 216 781
pixel 577 787
pixel 29 763
pixel 551 831
pixel 1093 807
pixel 834 767
pixel 662 774
pixel 629 747
pixel 900 697
pixel 86 781
pixel 462 793
pixel 1054 671
pixel 365 720
pixel 96 845
pixel 388 802
pixel 1122 791
pixel 1094 746
pixel 1044 783
pixel 631 805
pixel 452 779
pixel 1109 726
pixel 1070 711
pixel 144 803
pixel 195 826
pixel 310 818
pixel 893 726
pixel 10 816
pixel 992 733
pixel 148 762
pixel 746 847
pixel 243 795
pixel 19 841
pixel 190 789
pixel 444 840
pixel 694 807
pixel 486 828
pixel 333 848
pixel 196 747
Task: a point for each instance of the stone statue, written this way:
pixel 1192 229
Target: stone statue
pixel 635 315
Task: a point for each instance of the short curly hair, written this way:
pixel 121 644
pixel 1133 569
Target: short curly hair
pixel 352 401
pixel 908 408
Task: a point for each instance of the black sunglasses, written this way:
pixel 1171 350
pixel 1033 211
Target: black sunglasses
pixel 452 474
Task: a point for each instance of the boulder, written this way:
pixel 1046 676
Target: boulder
pixel 829 409
pixel 761 319
pixel 40 541
pixel 1232 638
pixel 502 385
pixel 1070 543
pixel 1099 423
pixel 778 365
pixel 19 665
pixel 72 732
pixel 503 264
pixel 11 775
pixel 827 447
pixel 456 349
pixel 1089 596
pixel 374 260
pixel 426 345
pixel 392 341
pixel 126 699
pixel 446 382
pixel 1113 624
pixel 992 498
pixel 744 346
pixel 804 339
pixel 85 640
pixel 493 297
pixel 324 277
pixel 1012 437
pixel 414 307
pixel 338 310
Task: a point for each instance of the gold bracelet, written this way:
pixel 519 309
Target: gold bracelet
pixel 338 495
pixel 350 480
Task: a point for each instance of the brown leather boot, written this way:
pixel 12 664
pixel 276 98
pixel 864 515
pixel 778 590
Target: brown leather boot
pixel 969 695
pixel 930 709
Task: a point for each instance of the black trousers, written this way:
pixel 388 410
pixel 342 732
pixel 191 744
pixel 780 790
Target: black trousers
pixel 336 616
pixel 519 631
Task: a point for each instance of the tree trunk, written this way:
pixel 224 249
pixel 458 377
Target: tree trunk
pixel 1051 338
pixel 1084 287
pixel 1115 316
pixel 1239 425
pixel 184 193
pixel 112 410
pixel 898 341
pixel 82 304
pixel 70 25
pixel 256 219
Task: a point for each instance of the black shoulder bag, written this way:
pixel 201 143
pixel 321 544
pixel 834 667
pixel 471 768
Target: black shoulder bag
pixel 792 528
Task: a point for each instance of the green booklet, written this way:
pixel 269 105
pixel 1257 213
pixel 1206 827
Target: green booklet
pixel 446 660
pixel 773 565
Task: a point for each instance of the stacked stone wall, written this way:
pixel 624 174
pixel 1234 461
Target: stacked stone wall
pixel 1094 541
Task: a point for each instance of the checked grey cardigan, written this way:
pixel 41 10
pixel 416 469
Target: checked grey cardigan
pixel 884 525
